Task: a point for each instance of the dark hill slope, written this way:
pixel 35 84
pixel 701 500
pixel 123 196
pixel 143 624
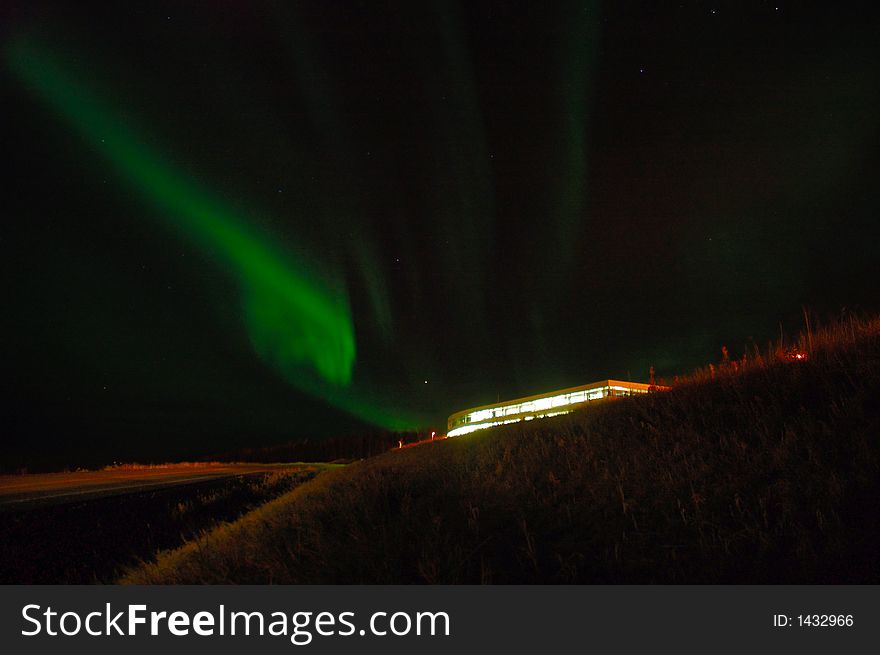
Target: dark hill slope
pixel 767 474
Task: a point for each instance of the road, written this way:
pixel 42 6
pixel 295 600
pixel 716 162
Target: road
pixel 18 491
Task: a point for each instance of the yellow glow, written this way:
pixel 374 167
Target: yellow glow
pixel 536 407
pixel 473 428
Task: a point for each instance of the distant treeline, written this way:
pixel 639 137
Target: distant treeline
pixel 352 447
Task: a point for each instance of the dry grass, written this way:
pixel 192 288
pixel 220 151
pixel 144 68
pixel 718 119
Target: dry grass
pixel 766 472
pixel 136 466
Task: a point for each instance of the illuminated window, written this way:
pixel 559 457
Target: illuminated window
pixel 543 403
pixel 559 403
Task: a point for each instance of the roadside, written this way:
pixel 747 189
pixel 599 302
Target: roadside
pixel 85 527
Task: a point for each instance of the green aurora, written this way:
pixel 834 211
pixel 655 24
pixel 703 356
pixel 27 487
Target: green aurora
pixel 298 318
pixel 231 225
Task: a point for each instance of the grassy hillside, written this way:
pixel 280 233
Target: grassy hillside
pixel 762 470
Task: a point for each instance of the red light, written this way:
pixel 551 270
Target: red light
pixel 796 356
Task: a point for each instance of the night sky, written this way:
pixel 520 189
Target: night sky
pixel 231 224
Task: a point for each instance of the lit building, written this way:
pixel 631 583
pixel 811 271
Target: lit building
pixel 542 405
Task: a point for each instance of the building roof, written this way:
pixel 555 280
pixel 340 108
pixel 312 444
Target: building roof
pixel 584 387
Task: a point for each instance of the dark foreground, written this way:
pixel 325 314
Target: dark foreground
pixel 86 527
pixel 762 470
pixel 40 489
